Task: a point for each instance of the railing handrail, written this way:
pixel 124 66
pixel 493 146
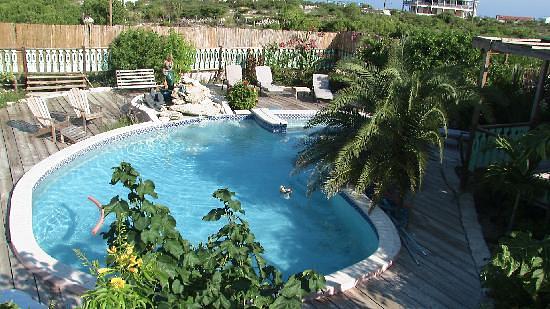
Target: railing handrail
pixel 505 125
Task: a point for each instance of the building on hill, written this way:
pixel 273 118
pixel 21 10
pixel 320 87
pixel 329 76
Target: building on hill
pixel 513 19
pixel 459 8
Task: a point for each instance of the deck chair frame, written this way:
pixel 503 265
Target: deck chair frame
pixel 78 99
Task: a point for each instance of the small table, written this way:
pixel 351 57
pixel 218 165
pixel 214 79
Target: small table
pixel 300 89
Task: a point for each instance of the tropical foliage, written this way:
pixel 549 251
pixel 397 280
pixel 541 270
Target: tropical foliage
pixel 145 49
pixel 149 263
pixel 517 276
pixel 378 130
pixel 516 177
pixel 242 96
pixel 293 61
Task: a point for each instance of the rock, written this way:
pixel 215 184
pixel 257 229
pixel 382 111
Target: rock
pixel 197 109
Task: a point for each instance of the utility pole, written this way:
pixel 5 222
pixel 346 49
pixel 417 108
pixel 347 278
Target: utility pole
pixel 111 13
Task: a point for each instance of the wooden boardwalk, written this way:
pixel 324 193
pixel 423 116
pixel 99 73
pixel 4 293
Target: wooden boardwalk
pixel 447 278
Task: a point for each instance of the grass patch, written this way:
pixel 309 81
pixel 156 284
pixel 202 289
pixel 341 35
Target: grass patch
pixel 10 96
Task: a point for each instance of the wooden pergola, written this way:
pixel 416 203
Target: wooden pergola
pixel 533 48
pixel 480 136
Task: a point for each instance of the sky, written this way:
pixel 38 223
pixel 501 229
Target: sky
pixel 491 8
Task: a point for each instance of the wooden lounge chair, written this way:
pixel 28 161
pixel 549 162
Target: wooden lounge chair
pixel 321 87
pixel 233 75
pixel 81 106
pixel 265 79
pixel 40 111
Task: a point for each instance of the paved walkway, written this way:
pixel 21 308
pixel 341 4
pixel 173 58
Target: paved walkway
pixel 448 277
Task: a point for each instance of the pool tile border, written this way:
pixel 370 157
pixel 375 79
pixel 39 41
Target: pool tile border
pixel 64 277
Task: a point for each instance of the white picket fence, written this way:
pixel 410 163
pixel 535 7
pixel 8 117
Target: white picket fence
pixel 50 60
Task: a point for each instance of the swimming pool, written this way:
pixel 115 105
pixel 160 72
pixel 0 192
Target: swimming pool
pixel 187 164
pixel 254 163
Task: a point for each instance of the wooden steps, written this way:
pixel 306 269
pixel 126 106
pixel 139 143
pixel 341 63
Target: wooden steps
pixel 56 81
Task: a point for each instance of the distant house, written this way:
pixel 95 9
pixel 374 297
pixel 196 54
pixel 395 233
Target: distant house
pixel 513 19
pixel 547 20
pixel 459 8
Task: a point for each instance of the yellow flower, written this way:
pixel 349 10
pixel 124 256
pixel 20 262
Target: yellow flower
pixel 103 271
pixel 117 283
pixel 111 250
pixel 133 269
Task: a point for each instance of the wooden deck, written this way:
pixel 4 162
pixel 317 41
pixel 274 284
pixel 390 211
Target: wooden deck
pixel 447 278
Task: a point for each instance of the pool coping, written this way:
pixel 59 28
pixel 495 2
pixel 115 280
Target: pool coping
pixel 66 278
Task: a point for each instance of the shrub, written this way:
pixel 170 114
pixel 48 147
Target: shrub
pixel 10 96
pixel 145 49
pixel 242 96
pixel 517 276
pixel 150 264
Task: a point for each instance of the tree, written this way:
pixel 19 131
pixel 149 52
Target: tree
pixel 40 11
pixel 378 130
pixel 150 264
pixel 99 11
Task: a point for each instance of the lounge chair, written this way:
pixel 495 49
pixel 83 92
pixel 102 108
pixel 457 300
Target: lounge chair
pixel 40 111
pixel 265 79
pixel 81 106
pixel 321 87
pixel 233 75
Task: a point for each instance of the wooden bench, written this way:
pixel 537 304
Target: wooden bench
pixel 43 82
pixel 135 79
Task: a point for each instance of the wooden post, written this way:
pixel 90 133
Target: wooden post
pixel 83 59
pixel 539 92
pixel 25 64
pixel 477 110
pixel 111 13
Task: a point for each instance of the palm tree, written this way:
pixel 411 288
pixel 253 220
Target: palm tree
pixel 378 131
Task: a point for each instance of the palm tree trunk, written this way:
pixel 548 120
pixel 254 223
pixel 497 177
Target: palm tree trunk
pixel 514 210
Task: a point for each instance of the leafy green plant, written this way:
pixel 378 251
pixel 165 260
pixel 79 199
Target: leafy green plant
pixel 150 264
pixel 10 96
pixel 293 61
pixel 242 96
pixel 516 177
pixel 182 51
pixel 145 49
pixel 518 273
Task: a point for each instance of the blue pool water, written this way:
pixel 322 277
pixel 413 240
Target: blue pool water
pixel 187 164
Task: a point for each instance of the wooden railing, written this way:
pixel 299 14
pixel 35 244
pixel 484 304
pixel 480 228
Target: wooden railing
pixel 43 60
pixel 483 151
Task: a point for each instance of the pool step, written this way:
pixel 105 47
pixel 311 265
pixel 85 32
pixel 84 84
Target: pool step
pixel 269 121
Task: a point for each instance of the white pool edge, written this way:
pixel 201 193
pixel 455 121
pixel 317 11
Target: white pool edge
pixel 66 278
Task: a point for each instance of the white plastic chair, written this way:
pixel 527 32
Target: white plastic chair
pixel 265 79
pixel 321 87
